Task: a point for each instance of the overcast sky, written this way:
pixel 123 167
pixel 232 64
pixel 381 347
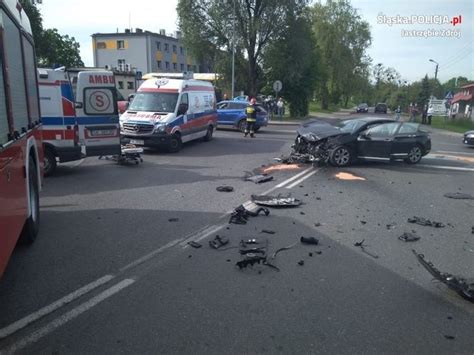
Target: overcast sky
pixel 409 55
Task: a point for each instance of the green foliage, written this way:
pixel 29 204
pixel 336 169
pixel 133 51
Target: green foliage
pixel 458 125
pixel 52 48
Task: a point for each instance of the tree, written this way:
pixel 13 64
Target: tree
pixel 342 38
pixel 52 48
pixel 292 59
pixel 208 25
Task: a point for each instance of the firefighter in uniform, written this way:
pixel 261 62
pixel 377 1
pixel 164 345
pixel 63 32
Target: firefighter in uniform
pixel 251 112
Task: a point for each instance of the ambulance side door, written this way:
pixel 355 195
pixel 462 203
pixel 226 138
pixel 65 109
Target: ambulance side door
pixel 97 113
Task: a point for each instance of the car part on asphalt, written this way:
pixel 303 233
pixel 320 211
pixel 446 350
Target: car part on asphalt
pixel 425 222
pixel 218 242
pixel 409 237
pixel 301 262
pixel 257 178
pixel 362 247
pixel 390 226
pixel 276 201
pixel 173 219
pixel 267 231
pixel 309 240
pixel 348 176
pixel 195 244
pixel 459 196
pixel 463 287
pixel 240 215
pixel 130 154
pixel 225 188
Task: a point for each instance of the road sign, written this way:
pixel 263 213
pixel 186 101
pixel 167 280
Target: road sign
pixel 449 95
pixel 138 75
pixel 277 85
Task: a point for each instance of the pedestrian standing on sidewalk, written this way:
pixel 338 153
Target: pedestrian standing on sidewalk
pixel 398 111
pixel 424 115
pixel 430 114
pixel 251 112
pixel 280 107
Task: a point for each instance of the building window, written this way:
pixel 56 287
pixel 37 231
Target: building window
pixel 130 85
pixel 167 47
pixel 121 62
pixel 189 67
pixel 158 64
pixel 196 69
pixel 174 48
pixel 120 85
pixel 101 45
pixel 181 50
pixel 121 44
pixel 175 66
pixel 167 65
pixel 182 67
pixel 158 46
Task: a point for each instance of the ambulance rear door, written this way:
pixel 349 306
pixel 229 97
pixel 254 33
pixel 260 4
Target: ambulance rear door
pixel 97 114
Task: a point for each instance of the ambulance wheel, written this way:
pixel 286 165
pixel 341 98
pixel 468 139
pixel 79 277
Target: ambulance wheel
pixel 31 227
pixel 175 143
pixel 242 125
pixel 49 162
pixel 208 136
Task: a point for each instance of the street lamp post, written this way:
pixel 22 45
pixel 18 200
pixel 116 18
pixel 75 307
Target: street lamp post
pixel 233 53
pixel 436 70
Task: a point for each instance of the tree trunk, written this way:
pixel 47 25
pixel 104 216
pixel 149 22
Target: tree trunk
pixel 252 85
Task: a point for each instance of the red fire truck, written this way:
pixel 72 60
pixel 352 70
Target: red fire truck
pixel 21 152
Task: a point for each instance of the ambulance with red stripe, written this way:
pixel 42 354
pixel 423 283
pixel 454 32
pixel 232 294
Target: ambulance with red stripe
pixel 79 120
pixel 168 112
pixel 21 150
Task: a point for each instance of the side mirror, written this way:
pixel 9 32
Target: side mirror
pixel 78 105
pixel 130 97
pixel 182 109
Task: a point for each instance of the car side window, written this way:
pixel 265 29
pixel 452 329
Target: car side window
pixel 223 106
pixel 235 106
pixel 384 130
pixel 184 99
pixel 408 128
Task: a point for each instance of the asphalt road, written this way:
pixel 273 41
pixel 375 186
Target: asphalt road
pixel 112 272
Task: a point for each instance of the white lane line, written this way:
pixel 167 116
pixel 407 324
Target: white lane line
pixel 302 179
pixel 446 167
pixel 67 317
pixel 151 255
pixel 22 323
pixel 196 237
pixel 450 152
pixel 287 181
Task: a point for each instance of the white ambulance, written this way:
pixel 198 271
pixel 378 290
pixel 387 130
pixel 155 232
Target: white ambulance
pixel 167 112
pixel 81 122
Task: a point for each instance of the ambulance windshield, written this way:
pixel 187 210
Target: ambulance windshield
pixel 154 102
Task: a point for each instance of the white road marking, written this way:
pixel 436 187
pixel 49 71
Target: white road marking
pixel 196 237
pixel 22 323
pixel 67 317
pixel 446 167
pixel 302 179
pixel 287 181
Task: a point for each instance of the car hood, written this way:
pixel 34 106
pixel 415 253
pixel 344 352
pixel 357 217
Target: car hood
pixel 468 132
pixel 317 130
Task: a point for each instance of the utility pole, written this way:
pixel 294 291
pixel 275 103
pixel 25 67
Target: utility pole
pixel 436 70
pixel 233 53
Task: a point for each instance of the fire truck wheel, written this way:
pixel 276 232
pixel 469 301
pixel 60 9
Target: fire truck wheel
pixel 31 227
pixel 49 162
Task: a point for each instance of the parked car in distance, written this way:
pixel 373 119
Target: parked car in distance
pixel 468 138
pixel 232 114
pixel 364 108
pixel 380 108
pixel 372 139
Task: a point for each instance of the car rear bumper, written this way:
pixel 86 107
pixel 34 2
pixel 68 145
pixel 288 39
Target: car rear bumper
pixel 66 154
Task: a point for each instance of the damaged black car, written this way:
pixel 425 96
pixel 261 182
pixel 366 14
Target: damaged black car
pixel 369 138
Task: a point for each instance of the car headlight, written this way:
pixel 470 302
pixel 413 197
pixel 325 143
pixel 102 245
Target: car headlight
pixel 160 128
pixel 470 135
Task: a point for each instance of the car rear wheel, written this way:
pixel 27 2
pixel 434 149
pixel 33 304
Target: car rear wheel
pixel 208 136
pixel 340 156
pixel 31 227
pixel 175 143
pixel 241 126
pixel 414 155
pixel 49 162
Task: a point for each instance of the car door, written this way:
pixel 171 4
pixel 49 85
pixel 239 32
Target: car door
pixel 224 114
pixel 404 140
pixel 376 142
pixel 97 113
pixel 237 111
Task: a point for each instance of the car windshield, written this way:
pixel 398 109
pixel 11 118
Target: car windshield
pixel 363 105
pixel 349 126
pixel 154 102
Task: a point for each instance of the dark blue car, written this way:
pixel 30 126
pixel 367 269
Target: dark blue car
pixel 232 114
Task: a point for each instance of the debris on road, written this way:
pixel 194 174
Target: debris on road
pixel 301 262
pixel 130 154
pixel 173 219
pixel 218 242
pixel 449 337
pixel 225 188
pixel 425 222
pixel 276 201
pixel 409 237
pixel 195 244
pixel 390 226
pixel 348 176
pixel 463 287
pixel 279 167
pixel 362 247
pixel 459 196
pixel 267 231
pixel 257 178
pixel 241 214
pixel 309 240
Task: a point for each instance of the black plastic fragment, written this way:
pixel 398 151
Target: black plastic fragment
pixel 195 244
pixel 309 240
pixel 173 219
pixel 257 178
pixel 225 188
pixel 425 222
pixel 267 231
pixel 301 262
pixel 278 201
pixel 409 237
pixel 459 196
pixel 218 242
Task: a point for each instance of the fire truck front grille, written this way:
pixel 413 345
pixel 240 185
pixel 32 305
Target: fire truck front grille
pixel 137 128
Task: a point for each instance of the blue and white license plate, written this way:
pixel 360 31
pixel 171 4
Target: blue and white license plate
pixel 137 141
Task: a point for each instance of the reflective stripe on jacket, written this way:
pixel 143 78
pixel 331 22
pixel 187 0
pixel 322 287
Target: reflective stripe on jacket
pixel 251 112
